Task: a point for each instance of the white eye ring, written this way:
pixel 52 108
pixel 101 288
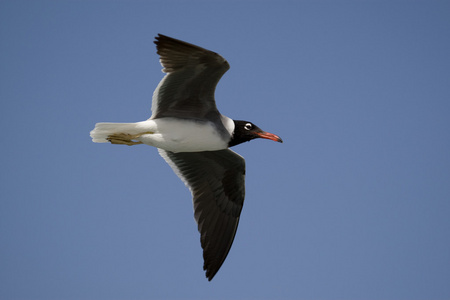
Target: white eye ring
pixel 248 126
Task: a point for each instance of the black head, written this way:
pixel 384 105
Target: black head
pixel 245 131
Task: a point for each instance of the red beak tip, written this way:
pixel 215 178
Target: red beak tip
pixel 270 136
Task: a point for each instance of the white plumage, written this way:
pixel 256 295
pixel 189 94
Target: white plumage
pixel 172 134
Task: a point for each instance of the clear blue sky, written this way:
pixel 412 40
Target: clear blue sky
pixel 355 204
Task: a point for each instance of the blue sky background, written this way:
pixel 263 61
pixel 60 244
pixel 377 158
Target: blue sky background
pixel 354 205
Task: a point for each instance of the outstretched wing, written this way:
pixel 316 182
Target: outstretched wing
pixel 192 76
pixel 217 183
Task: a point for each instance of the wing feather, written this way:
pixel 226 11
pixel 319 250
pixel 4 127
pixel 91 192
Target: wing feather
pixel 191 79
pixel 217 183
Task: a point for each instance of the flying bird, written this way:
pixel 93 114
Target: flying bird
pixel 194 139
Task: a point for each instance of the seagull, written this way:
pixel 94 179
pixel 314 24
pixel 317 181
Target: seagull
pixel 194 139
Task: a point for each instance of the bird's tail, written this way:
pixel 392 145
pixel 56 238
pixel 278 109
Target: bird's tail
pixel 102 131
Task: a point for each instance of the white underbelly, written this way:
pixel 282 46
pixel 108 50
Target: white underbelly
pixel 182 135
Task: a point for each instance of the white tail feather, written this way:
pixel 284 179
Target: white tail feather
pixel 103 130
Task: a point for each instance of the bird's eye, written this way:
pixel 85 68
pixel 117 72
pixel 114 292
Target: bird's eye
pixel 248 126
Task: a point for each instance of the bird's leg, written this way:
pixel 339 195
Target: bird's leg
pixel 125 138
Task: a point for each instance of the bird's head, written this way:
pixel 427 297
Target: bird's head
pixel 245 131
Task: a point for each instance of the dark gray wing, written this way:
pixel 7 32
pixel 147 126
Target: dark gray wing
pixel 217 183
pixel 192 75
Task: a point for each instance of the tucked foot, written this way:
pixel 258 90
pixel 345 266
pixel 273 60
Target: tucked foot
pixel 124 139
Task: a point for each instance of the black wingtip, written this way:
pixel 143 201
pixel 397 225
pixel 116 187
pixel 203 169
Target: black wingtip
pixel 159 37
pixel 210 273
pixel 210 276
